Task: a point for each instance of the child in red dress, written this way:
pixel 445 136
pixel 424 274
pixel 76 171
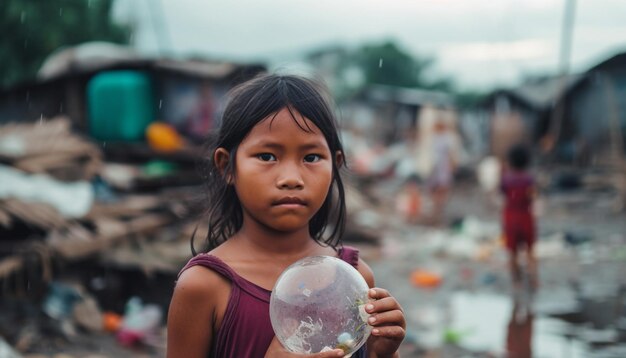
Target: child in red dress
pixel 518 187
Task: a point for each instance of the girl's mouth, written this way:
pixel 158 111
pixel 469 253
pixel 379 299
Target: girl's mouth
pixel 289 201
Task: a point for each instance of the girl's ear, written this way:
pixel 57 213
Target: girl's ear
pixel 339 158
pixel 221 157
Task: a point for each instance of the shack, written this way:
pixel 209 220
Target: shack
pixel 593 128
pixel 185 93
pixel 521 114
pixel 580 118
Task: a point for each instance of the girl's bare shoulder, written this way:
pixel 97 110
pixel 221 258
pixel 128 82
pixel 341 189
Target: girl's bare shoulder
pixel 200 282
pixel 196 301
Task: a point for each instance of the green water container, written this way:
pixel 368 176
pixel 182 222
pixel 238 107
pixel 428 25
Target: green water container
pixel 120 105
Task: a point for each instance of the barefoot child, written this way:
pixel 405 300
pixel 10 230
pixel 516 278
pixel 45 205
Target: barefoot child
pixel 518 187
pixel 276 196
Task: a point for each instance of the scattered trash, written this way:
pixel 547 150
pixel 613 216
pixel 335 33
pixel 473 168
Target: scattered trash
pixel 488 173
pixel 140 323
pixel 425 279
pixel 61 299
pixel 45 189
pixel 111 322
pixel 453 336
pixel 576 238
pixel 87 314
pixel 163 137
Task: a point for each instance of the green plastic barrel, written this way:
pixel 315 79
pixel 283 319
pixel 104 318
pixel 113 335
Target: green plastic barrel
pixel 120 105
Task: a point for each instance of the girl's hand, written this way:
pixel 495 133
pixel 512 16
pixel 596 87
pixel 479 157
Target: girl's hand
pixel 276 350
pixel 387 321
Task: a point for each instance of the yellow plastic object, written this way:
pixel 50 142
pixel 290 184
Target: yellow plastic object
pixel 163 137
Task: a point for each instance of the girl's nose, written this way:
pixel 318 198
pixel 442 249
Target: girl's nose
pixel 290 181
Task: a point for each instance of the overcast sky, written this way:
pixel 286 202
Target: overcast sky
pixel 480 43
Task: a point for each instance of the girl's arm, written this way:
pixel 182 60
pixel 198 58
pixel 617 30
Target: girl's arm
pixel 389 325
pixel 191 314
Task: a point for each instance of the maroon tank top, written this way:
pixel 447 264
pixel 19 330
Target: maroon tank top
pixel 246 329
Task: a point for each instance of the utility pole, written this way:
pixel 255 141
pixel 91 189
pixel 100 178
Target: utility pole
pixel 159 26
pixel 558 112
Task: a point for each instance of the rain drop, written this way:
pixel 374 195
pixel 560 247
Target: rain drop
pixel 60 11
pixel 23 17
pixel 41 119
pixel 89 3
pixel 380 63
pixel 61 107
pixel 25 43
pixel 160 103
pixel 104 144
pixel 27 96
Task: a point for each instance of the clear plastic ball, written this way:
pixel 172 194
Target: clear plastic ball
pixel 318 304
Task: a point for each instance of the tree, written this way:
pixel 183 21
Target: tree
pixel 388 64
pixel 33 29
pixel 349 70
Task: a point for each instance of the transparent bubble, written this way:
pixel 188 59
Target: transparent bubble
pixel 318 304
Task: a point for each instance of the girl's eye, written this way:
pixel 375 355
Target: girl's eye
pixel 311 158
pixel 266 157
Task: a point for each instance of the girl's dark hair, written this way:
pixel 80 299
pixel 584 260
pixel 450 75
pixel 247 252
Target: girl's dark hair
pixel 249 103
pixel 519 157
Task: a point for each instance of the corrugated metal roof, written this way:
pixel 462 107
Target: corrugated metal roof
pixel 540 93
pixel 98 56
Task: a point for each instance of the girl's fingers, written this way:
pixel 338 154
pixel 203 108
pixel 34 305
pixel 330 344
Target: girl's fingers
pixel 385 311
pixel 378 293
pixel 395 317
pixel 394 332
pixel 276 349
pixel 383 305
pixel 329 354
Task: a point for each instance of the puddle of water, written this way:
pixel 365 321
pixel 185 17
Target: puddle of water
pixel 481 319
pixel 552 338
pixel 495 324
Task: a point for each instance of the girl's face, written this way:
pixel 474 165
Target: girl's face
pixel 282 172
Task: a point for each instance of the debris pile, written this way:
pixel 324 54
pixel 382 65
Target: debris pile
pixel 70 208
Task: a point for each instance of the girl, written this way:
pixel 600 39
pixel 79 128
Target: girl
pixel 274 186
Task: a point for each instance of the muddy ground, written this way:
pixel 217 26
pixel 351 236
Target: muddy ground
pixel 578 310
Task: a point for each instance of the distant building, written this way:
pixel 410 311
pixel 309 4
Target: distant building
pixel 594 113
pixel 581 118
pixel 386 113
pixel 521 114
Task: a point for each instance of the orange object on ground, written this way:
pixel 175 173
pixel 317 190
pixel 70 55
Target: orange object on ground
pixel 422 278
pixel 111 321
pixel 414 204
pixel 163 137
